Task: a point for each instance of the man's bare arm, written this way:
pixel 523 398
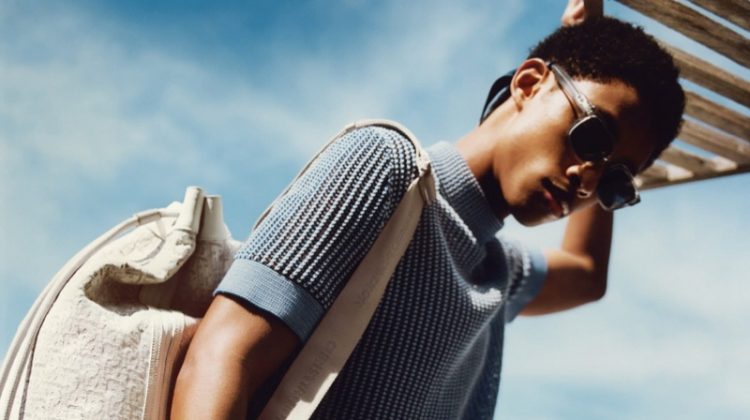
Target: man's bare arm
pixel 234 350
pixel 577 272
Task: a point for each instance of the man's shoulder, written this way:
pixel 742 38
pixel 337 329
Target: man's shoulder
pixel 378 134
pixel 380 142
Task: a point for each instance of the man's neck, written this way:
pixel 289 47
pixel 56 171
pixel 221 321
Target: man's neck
pixel 477 148
pixel 494 195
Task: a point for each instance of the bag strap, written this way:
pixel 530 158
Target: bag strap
pixel 324 355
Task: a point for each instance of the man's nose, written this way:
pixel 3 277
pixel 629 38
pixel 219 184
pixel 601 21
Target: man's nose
pixel 587 177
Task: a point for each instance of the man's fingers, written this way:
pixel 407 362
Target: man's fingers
pixel 574 13
pixel 579 10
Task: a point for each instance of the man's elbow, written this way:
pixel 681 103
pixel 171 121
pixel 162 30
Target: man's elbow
pixel 597 288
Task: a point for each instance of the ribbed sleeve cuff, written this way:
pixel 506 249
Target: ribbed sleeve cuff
pixel 534 274
pixel 269 291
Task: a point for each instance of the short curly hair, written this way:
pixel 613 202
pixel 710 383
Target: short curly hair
pixel 605 49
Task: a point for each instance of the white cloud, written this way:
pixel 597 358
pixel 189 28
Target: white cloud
pixel 672 326
pixel 83 108
pixel 84 114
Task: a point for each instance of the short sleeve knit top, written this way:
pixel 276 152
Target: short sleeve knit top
pixel 433 349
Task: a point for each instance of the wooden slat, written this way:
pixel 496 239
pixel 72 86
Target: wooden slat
pixel 714 128
pixel 696 26
pixel 709 76
pixel 645 182
pixel 660 173
pixel 693 163
pixel 655 171
pixel 717 115
pixel 662 182
pixel 735 11
pixel 714 141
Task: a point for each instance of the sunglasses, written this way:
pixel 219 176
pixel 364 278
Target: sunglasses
pixel 593 141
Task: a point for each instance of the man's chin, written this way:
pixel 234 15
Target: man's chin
pixel 532 218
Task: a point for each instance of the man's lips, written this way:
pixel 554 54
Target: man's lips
pixel 556 207
pixel 557 198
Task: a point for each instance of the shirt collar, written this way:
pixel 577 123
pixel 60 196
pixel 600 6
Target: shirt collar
pixel 462 191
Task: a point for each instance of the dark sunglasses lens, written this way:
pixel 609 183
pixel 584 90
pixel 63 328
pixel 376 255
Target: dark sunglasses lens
pixel 616 190
pixel 590 139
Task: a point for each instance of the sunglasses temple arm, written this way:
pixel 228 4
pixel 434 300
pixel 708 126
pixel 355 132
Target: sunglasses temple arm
pixel 579 101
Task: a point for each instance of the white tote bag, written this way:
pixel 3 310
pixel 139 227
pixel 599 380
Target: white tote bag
pixel 102 340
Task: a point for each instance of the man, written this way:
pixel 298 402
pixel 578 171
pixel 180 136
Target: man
pixel 594 104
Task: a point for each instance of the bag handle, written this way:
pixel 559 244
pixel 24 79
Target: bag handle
pixel 319 362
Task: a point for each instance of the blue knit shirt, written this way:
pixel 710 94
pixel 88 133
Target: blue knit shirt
pixel 433 349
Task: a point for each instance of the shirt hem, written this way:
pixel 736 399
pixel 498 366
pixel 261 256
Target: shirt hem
pixel 268 290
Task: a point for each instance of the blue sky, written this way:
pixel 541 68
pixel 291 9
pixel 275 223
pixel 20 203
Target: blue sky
pixel 108 108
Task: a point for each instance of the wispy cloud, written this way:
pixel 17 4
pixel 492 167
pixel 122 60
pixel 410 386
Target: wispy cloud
pixel 673 323
pixel 94 127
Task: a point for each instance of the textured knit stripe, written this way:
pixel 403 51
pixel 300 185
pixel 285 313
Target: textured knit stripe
pixel 465 194
pixel 434 346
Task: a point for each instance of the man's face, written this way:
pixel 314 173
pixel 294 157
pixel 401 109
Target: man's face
pixel 539 173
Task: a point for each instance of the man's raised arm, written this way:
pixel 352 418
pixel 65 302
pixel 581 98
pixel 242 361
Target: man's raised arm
pixel 577 272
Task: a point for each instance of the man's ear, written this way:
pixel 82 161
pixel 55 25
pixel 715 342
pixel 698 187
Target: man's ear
pixel 528 80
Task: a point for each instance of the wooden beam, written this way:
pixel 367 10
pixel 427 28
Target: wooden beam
pixel 717 115
pixel 735 11
pixel 708 75
pixel 648 182
pixel 696 164
pixel 661 172
pixel 655 171
pixel 714 141
pixel 696 26
pixel 651 183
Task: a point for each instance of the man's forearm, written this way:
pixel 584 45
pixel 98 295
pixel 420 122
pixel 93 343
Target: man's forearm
pixel 588 235
pixel 577 272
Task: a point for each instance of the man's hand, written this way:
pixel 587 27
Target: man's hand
pixel 579 10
